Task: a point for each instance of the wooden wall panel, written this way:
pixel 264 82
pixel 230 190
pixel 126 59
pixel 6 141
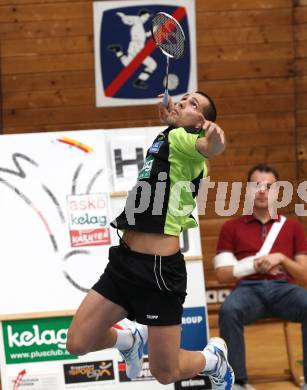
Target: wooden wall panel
pixel 255 17
pixel 222 5
pixel 251 69
pixel 300 26
pixel 44 10
pixel 53 28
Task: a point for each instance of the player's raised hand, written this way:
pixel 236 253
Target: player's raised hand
pixel 163 110
pixel 214 142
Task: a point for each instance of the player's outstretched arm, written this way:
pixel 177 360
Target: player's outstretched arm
pixel 214 142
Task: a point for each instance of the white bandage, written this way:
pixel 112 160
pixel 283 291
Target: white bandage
pixel 244 267
pixel 224 259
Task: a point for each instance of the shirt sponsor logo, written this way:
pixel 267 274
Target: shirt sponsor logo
pixel 145 171
pixel 155 147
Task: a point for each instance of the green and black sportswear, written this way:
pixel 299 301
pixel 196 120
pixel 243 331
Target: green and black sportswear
pixel 172 163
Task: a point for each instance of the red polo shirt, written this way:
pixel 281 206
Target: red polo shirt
pixel 244 237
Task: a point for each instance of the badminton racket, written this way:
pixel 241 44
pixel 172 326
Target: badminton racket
pixel 169 37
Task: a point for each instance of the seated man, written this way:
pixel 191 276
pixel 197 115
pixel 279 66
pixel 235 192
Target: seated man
pixel 264 270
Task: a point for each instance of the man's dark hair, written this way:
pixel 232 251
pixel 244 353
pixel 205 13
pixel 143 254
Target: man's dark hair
pixel 209 112
pixel 263 168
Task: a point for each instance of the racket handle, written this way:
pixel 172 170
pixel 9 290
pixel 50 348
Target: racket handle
pixel 165 98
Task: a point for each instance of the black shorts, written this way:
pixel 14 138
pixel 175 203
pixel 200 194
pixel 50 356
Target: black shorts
pixel 151 288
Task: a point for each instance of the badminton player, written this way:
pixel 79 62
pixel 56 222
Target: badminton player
pixel 145 279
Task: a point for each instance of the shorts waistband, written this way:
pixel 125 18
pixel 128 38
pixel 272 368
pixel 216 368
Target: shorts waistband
pixel 146 256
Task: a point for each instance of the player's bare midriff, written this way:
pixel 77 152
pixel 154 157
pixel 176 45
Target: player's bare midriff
pixel 151 243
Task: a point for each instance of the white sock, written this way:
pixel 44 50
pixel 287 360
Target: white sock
pixel 211 360
pixel 124 339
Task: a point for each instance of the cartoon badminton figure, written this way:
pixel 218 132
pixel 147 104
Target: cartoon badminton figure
pixel 138 36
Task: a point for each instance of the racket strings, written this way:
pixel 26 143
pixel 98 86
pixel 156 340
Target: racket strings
pixel 168 35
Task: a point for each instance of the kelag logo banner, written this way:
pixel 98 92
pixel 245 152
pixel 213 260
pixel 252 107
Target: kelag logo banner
pixel 129 68
pixel 36 340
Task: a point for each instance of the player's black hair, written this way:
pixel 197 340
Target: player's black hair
pixel 263 168
pixel 210 112
pixel 143 11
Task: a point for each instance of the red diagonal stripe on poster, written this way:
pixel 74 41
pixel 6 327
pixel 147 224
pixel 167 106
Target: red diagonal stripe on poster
pixel 18 379
pixel 150 46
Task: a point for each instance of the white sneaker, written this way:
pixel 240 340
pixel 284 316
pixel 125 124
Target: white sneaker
pixel 222 377
pixel 134 356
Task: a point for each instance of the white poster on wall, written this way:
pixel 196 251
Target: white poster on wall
pixel 56 210
pixel 52 185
